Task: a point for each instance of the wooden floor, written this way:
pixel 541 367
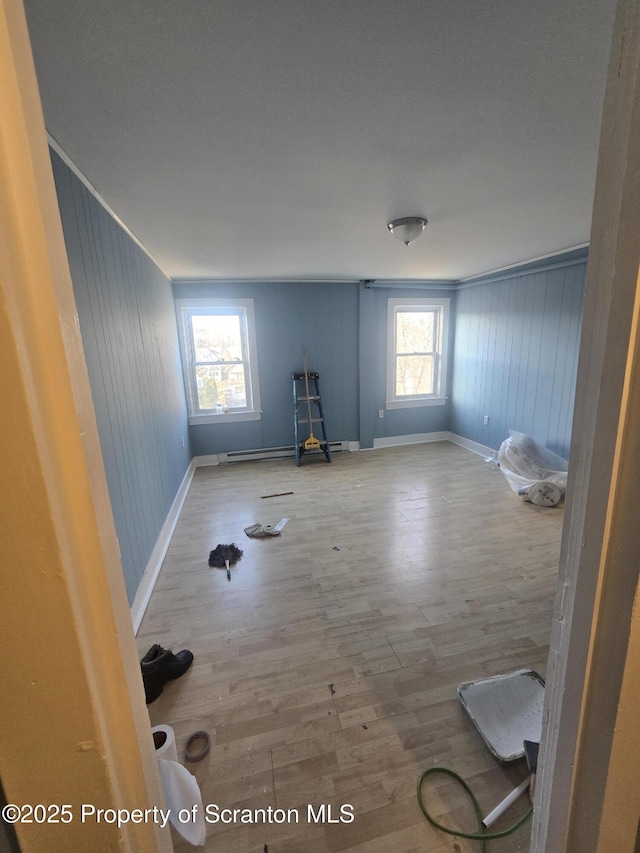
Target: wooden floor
pixel 329 676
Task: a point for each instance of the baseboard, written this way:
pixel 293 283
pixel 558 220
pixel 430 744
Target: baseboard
pixel 424 437
pixel 473 446
pixel 256 454
pixel 203 461
pixel 154 564
pixel 414 438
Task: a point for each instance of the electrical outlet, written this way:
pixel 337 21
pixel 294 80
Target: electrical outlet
pixel 486 420
pixel 380 413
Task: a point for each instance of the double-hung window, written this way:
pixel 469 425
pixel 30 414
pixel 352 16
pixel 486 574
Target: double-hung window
pixel 218 347
pixel 417 337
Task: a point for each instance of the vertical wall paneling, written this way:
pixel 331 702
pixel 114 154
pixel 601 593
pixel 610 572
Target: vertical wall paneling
pixel 515 356
pixel 127 321
pixel 373 377
pixel 323 317
pixel 371 367
pixel 344 328
pixel 513 347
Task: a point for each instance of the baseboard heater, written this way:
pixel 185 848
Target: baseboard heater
pixel 272 453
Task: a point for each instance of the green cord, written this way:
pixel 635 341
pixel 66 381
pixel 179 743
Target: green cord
pixel 482 836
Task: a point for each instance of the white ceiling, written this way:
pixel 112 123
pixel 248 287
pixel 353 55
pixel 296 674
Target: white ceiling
pixel 276 138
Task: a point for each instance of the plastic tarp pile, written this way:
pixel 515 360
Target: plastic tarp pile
pixel 534 473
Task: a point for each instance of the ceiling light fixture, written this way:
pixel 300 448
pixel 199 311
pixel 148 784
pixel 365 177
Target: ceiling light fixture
pixel 407 229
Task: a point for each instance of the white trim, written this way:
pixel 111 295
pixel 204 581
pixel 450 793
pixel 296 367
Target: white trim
pixel 158 554
pixel 473 446
pixel 523 273
pixel 415 402
pixel 263 280
pixel 513 268
pixel 414 438
pixel 426 437
pixel 441 307
pixel 354 446
pixel 245 309
pixel 62 154
pixel 203 461
pixel 224 418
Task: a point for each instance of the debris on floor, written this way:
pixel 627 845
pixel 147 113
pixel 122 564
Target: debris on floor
pixel 264 531
pixel 261 531
pixel 191 754
pixel 224 556
pixel 276 495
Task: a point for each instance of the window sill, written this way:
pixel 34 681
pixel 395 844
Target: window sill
pixel 224 418
pixel 416 403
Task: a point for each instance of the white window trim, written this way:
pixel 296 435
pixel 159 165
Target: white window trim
pixel 183 307
pixel 439 398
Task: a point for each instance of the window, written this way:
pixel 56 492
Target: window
pixel 218 346
pixel 417 333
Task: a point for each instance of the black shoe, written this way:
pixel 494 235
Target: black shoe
pixel 159 666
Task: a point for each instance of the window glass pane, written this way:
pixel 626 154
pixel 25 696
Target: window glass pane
pixel 414 374
pixel 218 348
pixel 221 386
pixel 415 331
pixel 232 386
pixel 207 387
pixel 217 337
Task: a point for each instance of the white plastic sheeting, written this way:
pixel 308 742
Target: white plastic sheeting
pixel 534 473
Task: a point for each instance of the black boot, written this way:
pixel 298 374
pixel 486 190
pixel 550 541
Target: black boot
pixel 159 666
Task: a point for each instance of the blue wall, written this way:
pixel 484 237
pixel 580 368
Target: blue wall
pixel 373 370
pixel 344 328
pixel 515 356
pixel 513 347
pixel 129 335
pixel 323 317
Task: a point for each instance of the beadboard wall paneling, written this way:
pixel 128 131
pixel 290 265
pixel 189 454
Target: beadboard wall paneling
pixel 127 320
pixel 323 317
pixel 373 369
pixel 515 356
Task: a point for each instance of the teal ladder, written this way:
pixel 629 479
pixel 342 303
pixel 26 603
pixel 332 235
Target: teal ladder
pixel 301 405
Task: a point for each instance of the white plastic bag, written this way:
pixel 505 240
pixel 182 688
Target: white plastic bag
pixel 534 473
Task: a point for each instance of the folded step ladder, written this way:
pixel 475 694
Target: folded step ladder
pixel 305 392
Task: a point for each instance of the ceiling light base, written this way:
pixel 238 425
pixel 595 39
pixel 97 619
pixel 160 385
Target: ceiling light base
pixel 407 229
